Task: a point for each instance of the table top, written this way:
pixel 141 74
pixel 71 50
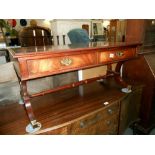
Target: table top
pixel 41 50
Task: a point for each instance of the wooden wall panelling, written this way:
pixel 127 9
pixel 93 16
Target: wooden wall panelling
pixel 135 30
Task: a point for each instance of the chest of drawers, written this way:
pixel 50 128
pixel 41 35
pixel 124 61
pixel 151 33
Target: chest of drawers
pixel 90 116
pixel 105 121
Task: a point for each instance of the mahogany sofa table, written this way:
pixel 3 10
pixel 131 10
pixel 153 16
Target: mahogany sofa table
pixel 41 61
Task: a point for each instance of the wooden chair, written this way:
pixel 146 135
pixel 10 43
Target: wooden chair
pixel 35 36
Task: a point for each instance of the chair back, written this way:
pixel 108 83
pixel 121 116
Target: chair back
pixel 35 36
pixel 78 36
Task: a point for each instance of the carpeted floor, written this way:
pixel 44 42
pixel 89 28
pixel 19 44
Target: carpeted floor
pixel 129 131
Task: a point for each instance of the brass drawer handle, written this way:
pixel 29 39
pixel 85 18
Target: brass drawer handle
pixel 111 55
pixel 84 124
pixel 108 122
pixel 119 54
pixel 66 61
pixel 110 111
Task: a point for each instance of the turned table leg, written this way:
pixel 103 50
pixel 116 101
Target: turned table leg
pixel 34 125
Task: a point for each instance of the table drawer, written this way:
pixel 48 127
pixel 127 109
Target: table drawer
pixel 116 55
pixel 59 64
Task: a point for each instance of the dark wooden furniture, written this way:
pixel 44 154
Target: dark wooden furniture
pixel 112 30
pixel 35 36
pixel 36 62
pixel 130 110
pixel 135 30
pixel 142 69
pixel 79 110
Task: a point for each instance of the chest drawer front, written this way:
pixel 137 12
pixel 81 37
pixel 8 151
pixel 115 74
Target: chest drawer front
pixel 98 123
pixel 58 64
pixel 108 126
pixel 59 131
pixel 111 110
pixel 103 126
pixel 116 55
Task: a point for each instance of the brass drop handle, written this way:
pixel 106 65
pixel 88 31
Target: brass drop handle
pixel 66 61
pixel 108 122
pixel 110 111
pixel 84 124
pixel 119 54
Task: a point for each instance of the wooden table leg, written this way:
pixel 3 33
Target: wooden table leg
pixel 126 88
pixel 28 106
pixel 109 69
pixel 118 78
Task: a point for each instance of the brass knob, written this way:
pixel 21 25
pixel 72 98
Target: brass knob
pixel 82 125
pixel 119 54
pixel 110 111
pixel 111 55
pixel 108 122
pixel 66 61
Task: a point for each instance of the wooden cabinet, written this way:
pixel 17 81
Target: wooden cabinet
pixel 94 116
pixel 117 30
pixel 142 69
pixel 141 30
pixel 59 131
pixel 130 109
pixel 135 30
pixel 103 122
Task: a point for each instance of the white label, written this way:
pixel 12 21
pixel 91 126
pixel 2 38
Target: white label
pixel 34 33
pixel 42 32
pixel 106 103
pixel 111 55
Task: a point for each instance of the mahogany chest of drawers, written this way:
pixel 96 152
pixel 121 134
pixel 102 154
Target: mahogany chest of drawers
pixel 95 116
